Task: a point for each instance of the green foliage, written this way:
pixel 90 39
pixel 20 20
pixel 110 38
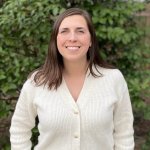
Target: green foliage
pixel 24 35
pixel 4 109
pixel 146 145
pixel 113 22
pixel 25 27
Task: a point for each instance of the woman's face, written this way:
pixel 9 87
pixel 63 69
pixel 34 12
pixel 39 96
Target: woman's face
pixel 73 39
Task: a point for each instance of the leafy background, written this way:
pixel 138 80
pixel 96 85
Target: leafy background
pixel 25 27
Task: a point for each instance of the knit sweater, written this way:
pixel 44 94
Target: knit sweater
pixel 100 119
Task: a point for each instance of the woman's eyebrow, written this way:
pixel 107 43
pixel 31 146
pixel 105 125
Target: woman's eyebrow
pixel 80 28
pixel 63 28
pixel 66 28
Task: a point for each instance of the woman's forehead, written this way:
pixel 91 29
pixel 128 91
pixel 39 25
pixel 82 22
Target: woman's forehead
pixel 73 21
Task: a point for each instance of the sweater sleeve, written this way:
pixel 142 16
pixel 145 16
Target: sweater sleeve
pixel 123 119
pixel 23 119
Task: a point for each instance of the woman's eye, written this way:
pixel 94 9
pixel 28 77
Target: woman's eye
pixel 62 31
pixel 81 31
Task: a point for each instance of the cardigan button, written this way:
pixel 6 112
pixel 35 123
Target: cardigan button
pixel 76 112
pixel 76 136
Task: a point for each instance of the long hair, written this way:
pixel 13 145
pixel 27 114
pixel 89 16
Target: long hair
pixel 51 72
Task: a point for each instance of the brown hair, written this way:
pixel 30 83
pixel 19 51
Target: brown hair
pixel 51 72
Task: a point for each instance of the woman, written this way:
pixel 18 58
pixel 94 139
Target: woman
pixel 81 103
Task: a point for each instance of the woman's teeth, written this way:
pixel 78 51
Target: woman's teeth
pixel 73 48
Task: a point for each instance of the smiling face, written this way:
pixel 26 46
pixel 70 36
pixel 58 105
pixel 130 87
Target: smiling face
pixel 73 38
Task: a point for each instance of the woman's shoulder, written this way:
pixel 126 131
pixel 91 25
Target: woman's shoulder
pixel 29 83
pixel 109 71
pixel 113 77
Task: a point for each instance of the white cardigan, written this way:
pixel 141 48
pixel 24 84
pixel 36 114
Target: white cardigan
pixel 101 119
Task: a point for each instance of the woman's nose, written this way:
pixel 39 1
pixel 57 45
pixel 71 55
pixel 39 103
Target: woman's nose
pixel 72 36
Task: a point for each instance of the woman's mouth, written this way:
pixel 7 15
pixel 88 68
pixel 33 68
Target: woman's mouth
pixel 73 48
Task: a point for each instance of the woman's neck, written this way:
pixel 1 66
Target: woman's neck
pixel 75 68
